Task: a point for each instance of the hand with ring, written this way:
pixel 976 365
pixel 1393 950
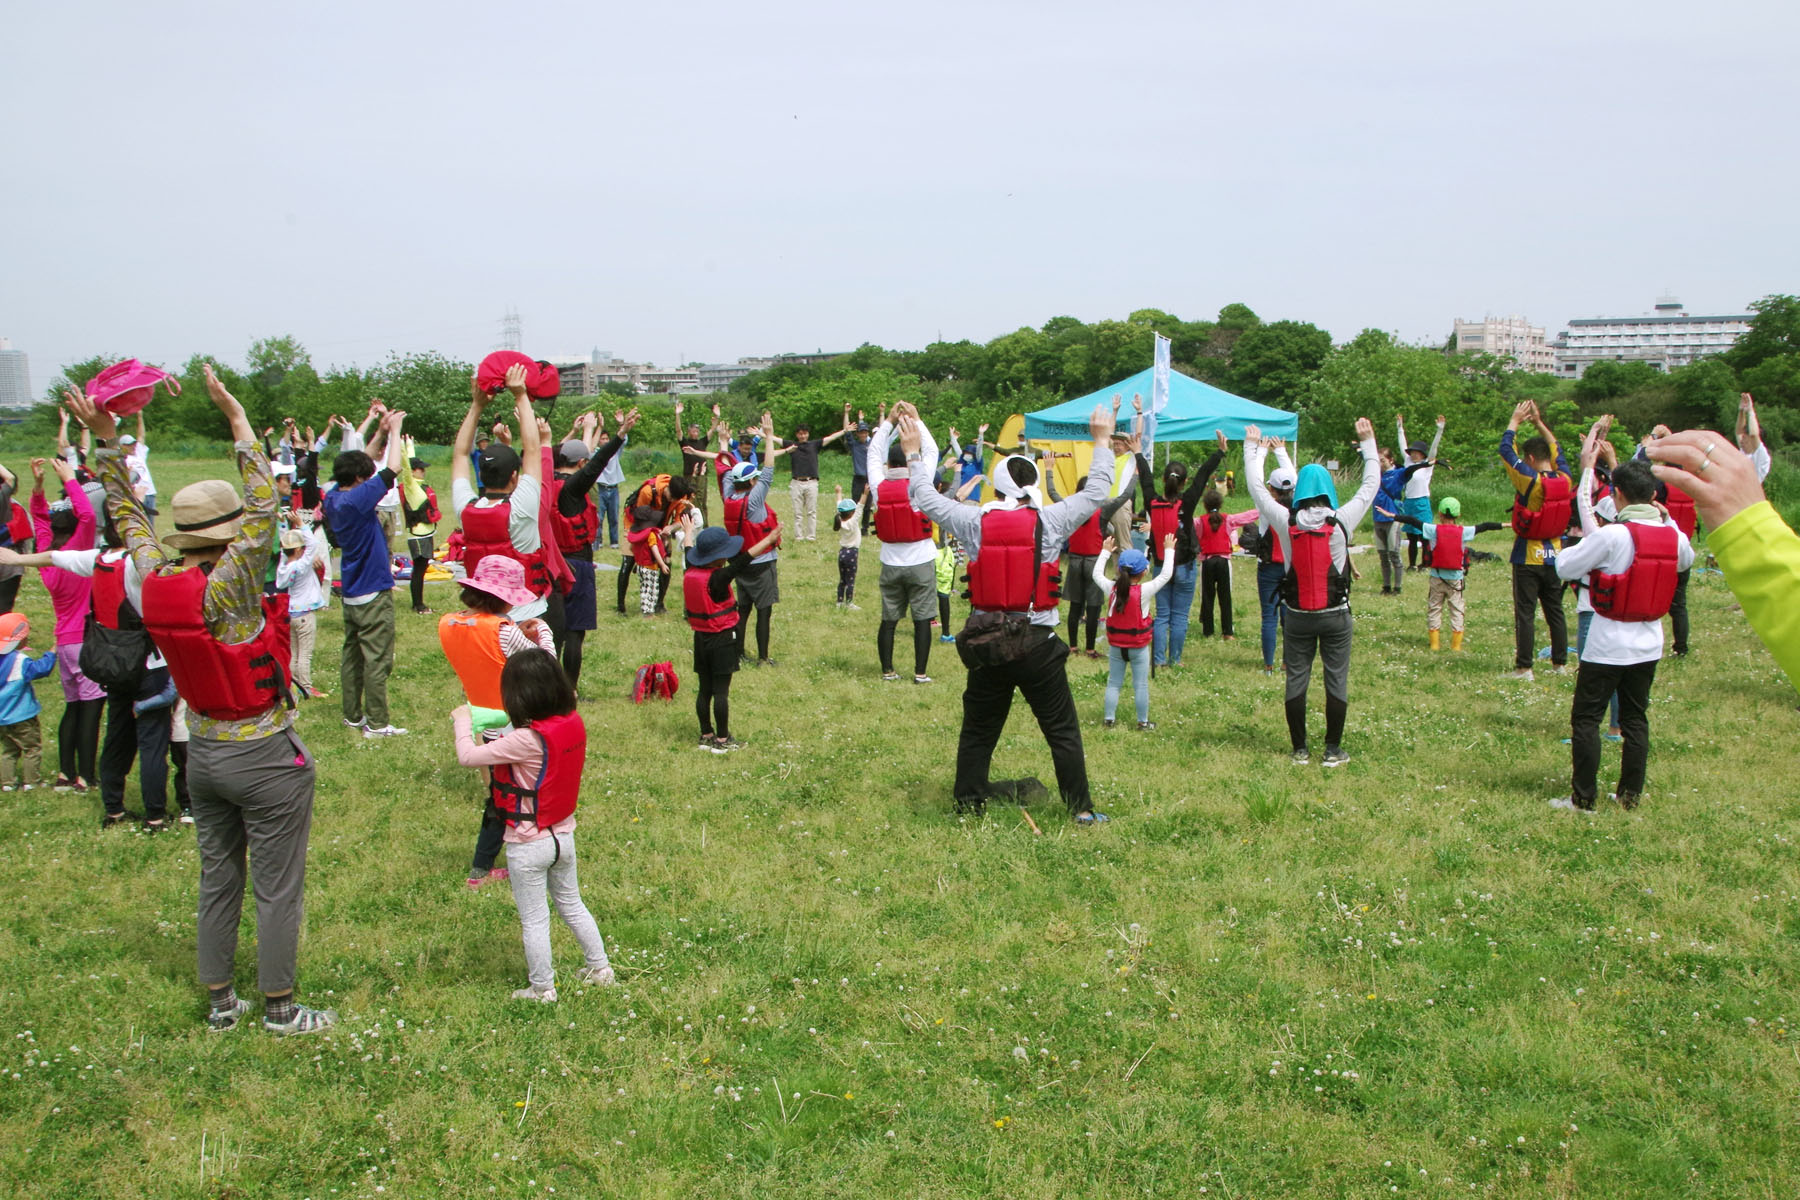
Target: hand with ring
pixel 1721 486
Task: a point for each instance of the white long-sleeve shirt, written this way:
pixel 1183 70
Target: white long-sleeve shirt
pixel 1146 591
pixel 1418 484
pixel 901 554
pixel 1610 551
pixel 1349 514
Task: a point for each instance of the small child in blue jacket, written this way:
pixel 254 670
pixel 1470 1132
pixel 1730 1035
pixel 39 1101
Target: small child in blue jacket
pixel 21 744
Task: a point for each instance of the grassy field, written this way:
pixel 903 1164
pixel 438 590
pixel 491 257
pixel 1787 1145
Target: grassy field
pixel 1405 977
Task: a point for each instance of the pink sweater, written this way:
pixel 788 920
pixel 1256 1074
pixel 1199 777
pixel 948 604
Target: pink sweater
pixel 69 593
pixel 521 751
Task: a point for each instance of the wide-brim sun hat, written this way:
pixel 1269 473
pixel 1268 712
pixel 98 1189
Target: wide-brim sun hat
pixel 208 513
pixel 293 539
pixel 711 544
pixel 502 578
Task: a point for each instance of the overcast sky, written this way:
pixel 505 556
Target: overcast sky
pixel 707 180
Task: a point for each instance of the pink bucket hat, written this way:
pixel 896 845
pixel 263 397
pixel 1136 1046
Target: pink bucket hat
pixel 126 387
pixel 502 578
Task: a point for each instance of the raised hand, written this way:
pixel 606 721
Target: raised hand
pixel 63 470
pixel 1252 433
pixel 1364 430
pixel 1224 446
pixel 911 435
pixel 1168 543
pixel 1720 477
pixel 1100 423
pixel 89 413
pixel 37 474
pixel 1109 544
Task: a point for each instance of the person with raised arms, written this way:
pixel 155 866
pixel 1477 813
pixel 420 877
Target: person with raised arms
pixel 1315 543
pixel 1447 559
pixel 803 467
pixel 1009 643
pixel 908 583
pixel 1415 494
pixel 250 777
pixel 575 523
pixel 714 559
pixel 1271 567
pixel 1542 505
pixel 1630 568
pixel 1750 439
pixel 368 581
pixel 504 520
pixel 1130 605
pixel 747 515
pixel 1173 512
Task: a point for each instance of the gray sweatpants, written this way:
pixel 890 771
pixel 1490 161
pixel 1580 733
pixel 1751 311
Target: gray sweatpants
pixel 251 798
pixel 542 872
pixel 1324 634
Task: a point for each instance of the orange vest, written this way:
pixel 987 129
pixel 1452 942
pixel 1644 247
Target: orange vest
pixel 471 642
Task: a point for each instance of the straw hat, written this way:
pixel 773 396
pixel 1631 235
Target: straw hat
pixel 208 513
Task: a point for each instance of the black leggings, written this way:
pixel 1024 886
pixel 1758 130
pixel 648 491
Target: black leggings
pixel 626 567
pixel 847 574
pixel 1077 609
pixel 762 630
pixel 714 692
pixel 884 643
pixel 78 739
pixel 571 656
pixel 418 581
pixel 944 617
pixel 9 593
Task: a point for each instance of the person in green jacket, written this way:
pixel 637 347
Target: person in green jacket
pixel 1756 550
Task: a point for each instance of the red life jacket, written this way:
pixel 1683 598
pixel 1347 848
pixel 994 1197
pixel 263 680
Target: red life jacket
pixel 1165 516
pixel 574 535
pixel 895 518
pixel 642 542
pixel 485 532
pixel 1268 544
pixel 226 683
pixel 112 608
pixel 738 524
pixel 1550 521
pixel 1644 591
pixel 1214 543
pixel 551 796
pixel 1681 510
pixel 1086 542
pixel 1313 583
pixel 703 615
pixel 1009 574
pixel 1127 625
pixel 20 525
pixel 1449 552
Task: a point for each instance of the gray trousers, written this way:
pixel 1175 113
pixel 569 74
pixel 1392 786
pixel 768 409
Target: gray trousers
pixel 1325 635
pixel 1390 536
pixel 255 799
pixel 368 658
pixel 543 873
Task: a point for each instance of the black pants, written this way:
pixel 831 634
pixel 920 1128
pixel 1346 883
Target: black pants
pixel 1215 580
pixel 715 660
pixel 884 646
pixel 1678 616
pixel 1595 684
pixel 1042 677
pixel 847 556
pixel 417 582
pixel 488 841
pixel 9 593
pixel 556 616
pixel 1534 588
pixel 146 739
pixel 626 566
pixel 78 738
pixel 858 485
pixel 178 756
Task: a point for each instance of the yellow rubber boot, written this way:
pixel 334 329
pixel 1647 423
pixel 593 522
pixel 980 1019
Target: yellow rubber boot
pixel 1456 639
pixel 1434 638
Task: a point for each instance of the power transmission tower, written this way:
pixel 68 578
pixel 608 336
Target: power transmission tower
pixel 511 331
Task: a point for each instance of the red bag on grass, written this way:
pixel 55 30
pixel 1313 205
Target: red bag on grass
pixel 655 681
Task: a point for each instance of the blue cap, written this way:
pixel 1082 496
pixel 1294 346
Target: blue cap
pixel 1134 562
pixel 846 506
pixel 744 472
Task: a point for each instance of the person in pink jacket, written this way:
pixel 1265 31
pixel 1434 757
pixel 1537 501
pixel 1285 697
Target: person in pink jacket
pixel 69 525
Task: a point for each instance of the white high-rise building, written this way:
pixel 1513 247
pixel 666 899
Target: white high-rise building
pixel 1666 339
pixel 1506 337
pixel 15 377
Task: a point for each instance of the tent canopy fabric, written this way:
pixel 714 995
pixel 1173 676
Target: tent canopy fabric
pixel 1194 411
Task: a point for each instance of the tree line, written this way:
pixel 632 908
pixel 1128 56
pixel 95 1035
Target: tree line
pixel 1288 364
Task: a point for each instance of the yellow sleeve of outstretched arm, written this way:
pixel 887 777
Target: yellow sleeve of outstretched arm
pixel 1760 557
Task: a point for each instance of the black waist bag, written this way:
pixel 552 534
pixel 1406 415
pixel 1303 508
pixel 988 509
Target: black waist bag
pixel 993 639
pixel 114 658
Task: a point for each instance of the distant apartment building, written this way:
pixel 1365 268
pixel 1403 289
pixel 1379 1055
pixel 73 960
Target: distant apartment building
pixel 1667 338
pixel 717 377
pixel 1507 337
pixel 586 376
pixel 15 377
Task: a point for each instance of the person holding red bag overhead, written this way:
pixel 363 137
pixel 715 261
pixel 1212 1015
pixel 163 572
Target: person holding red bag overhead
pixel 1543 502
pixel 250 777
pixel 1631 568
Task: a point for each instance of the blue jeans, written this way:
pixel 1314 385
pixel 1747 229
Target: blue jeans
pixel 1268 596
pixel 1582 621
pixel 1172 606
pixel 606 499
pixel 1139 657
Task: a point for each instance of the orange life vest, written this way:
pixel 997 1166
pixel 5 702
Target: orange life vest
pixel 471 642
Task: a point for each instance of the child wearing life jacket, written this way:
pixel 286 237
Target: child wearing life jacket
pixel 1447 558
pixel 21 742
pixel 848 524
pixel 645 539
pixel 535 784
pixel 479 641
pixel 1631 568
pixel 1217 533
pixel 1130 608
pixel 714 560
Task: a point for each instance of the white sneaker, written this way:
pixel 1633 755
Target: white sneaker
pixel 547 996
pixel 1523 673
pixel 1567 804
pixel 186 818
pixel 362 724
pixel 598 976
pixel 853 607
pixel 377 731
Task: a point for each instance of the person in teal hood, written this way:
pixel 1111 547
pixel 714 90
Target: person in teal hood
pixel 1315 543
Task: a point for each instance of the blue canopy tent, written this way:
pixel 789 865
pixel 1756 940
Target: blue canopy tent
pixel 1194 410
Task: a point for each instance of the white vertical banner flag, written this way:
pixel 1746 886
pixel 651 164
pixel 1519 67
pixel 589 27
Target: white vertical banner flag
pixel 1159 388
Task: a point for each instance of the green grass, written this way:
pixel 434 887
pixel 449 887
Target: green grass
pixel 1404 977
